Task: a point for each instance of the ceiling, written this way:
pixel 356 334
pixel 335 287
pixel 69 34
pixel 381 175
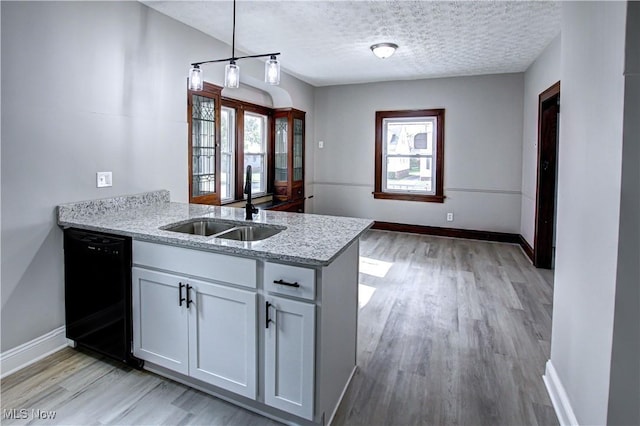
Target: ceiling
pixel 327 42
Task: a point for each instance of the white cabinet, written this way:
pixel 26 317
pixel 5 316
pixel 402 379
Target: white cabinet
pixel 202 315
pixel 290 356
pixel 196 328
pixel 222 337
pixel 160 324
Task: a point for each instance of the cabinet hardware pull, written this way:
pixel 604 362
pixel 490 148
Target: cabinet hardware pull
pixel 282 282
pixel 180 298
pixel 189 301
pixel 268 320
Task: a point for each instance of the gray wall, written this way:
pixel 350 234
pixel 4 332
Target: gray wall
pixel 593 40
pixel 544 72
pixel 624 393
pixel 483 150
pixel 87 87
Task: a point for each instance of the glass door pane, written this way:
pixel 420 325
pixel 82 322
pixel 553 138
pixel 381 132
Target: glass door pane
pixel 203 144
pixel 297 149
pixel 281 150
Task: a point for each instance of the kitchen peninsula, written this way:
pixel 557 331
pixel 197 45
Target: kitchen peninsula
pixel 269 324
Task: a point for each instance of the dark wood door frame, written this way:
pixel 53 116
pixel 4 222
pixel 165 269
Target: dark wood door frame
pixel 548 109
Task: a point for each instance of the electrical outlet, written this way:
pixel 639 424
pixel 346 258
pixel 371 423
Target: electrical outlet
pixel 449 217
pixel 104 179
pixel 320 144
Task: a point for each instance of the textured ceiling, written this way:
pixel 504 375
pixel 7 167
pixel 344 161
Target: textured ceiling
pixel 327 42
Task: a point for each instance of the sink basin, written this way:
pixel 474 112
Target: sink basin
pixel 205 227
pixel 249 233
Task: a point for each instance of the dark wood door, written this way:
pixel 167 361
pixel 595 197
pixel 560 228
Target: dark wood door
pixel 549 107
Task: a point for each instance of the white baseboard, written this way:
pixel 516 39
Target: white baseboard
pixel 558 396
pixel 26 354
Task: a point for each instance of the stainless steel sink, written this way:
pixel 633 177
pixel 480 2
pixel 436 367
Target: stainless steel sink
pixel 249 233
pixel 205 227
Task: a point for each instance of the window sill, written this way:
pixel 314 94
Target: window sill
pixel 409 197
pixel 254 199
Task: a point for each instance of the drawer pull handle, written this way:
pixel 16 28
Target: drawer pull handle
pixel 282 282
pixel 180 298
pixel 189 301
pixel 268 320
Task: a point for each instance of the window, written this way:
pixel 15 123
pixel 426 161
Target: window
pixel 245 140
pixel 255 151
pixel 227 153
pixel 409 162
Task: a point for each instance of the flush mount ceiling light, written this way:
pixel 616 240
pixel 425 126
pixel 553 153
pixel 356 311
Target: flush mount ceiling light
pixel 232 70
pixel 384 50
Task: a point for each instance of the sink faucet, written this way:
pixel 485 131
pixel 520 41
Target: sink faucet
pixel 249 208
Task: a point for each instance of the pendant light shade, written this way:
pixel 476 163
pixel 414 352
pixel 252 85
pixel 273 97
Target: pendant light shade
pixel 272 71
pixel 384 50
pixel 195 78
pixel 232 75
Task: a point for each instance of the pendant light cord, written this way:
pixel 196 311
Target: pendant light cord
pixel 233 37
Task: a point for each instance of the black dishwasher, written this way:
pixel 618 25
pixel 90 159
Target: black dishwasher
pixel 97 272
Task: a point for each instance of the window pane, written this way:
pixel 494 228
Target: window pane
pixel 255 148
pixel 254 133
pixel 410 173
pixel 409 136
pixel 227 136
pixel 226 177
pixel 203 138
pixel 409 150
pixel 256 161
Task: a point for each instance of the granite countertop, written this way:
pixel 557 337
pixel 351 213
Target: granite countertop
pixel 308 238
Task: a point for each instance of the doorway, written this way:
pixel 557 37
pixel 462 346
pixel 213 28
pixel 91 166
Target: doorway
pixel 546 188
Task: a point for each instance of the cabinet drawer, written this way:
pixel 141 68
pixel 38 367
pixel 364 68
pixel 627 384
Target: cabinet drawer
pixel 302 281
pixel 213 266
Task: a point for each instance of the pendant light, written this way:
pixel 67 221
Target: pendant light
pixel 232 75
pixel 272 71
pixel 232 70
pixel 195 78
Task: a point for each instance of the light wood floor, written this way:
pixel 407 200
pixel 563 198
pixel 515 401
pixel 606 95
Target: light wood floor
pixel 456 333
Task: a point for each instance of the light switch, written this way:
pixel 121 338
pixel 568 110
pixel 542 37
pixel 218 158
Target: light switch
pixel 320 144
pixel 104 179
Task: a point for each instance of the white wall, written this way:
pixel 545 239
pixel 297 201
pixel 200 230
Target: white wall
pixel 483 150
pixel 624 393
pixel 590 155
pixel 87 87
pixel 541 74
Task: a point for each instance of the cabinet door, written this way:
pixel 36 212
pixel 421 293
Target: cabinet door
pixel 289 356
pixel 203 115
pixel 222 337
pixel 160 323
